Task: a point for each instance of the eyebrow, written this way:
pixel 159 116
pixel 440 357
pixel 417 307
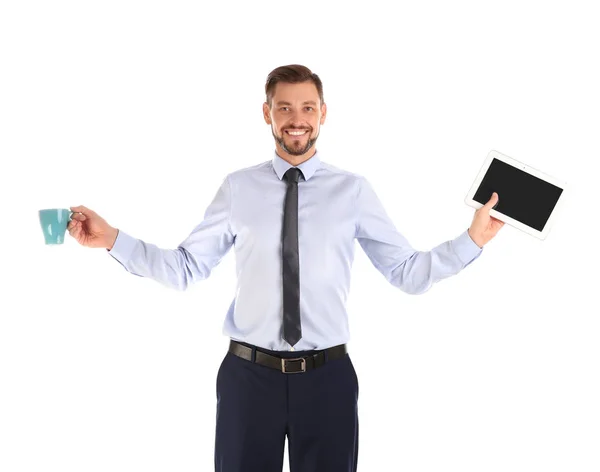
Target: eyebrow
pixel 308 102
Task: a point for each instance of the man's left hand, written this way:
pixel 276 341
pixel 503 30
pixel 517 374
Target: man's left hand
pixel 484 227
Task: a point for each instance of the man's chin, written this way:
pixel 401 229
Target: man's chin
pixel 292 149
pixel 296 151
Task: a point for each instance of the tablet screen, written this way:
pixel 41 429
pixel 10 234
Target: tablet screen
pixel 521 196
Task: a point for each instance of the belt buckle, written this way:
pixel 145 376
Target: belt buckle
pixel 302 365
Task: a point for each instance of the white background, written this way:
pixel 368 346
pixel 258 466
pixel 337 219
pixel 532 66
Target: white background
pixel 139 109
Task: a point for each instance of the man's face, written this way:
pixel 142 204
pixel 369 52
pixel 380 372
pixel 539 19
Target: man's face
pixel 295 116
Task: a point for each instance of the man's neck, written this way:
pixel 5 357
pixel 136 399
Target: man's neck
pixel 295 160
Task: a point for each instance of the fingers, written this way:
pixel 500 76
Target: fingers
pixel 78 215
pixel 496 222
pixel 73 224
pixel 81 210
pixel 76 222
pixel 491 202
pixel 76 225
pixel 74 228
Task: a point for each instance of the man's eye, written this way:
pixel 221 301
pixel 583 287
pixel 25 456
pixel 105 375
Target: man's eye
pixel 309 108
pixel 284 108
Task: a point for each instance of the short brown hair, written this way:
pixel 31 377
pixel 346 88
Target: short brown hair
pixel 292 74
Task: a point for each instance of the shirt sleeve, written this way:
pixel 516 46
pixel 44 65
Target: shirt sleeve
pixel 404 267
pixel 193 259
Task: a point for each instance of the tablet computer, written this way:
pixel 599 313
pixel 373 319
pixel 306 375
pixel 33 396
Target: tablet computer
pixel 528 199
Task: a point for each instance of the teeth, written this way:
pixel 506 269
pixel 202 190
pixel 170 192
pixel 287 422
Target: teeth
pixel 296 133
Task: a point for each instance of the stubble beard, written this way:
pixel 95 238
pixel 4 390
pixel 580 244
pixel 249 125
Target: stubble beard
pixel 294 151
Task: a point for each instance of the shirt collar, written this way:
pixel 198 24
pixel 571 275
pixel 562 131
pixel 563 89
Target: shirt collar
pixel 308 167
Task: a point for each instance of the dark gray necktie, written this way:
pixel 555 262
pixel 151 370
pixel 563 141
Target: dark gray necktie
pixel 292 330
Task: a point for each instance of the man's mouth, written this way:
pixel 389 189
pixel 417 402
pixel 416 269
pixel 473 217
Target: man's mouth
pixel 296 132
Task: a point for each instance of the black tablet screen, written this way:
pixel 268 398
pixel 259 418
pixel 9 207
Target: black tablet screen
pixel 521 196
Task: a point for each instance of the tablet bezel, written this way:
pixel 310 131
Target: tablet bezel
pixel 530 170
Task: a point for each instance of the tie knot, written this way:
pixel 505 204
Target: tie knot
pixel 292 174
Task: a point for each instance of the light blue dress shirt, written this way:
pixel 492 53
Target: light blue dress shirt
pixel 335 208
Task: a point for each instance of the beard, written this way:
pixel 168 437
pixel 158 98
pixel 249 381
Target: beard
pixel 296 149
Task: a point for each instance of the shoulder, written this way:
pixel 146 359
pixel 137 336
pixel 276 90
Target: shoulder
pixel 258 170
pixel 335 170
pixel 351 178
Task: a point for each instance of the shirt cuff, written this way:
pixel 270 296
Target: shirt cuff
pixel 465 248
pixel 123 247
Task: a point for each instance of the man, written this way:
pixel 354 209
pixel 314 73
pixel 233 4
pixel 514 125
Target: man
pixel 292 220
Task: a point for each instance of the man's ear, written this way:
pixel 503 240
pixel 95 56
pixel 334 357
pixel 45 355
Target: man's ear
pixel 266 113
pixel 323 113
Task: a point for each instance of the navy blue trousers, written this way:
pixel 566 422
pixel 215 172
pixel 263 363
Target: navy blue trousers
pixel 258 407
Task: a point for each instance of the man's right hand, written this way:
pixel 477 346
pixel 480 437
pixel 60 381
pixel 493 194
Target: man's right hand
pixel 90 229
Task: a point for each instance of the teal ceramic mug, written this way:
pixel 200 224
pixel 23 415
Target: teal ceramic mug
pixel 54 223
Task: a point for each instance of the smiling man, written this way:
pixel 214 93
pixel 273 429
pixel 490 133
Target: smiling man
pixel 293 221
pixel 295 116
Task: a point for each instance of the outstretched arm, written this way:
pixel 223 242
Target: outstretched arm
pixel 404 267
pixel 193 259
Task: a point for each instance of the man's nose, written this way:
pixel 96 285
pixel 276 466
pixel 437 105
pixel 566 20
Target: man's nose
pixel 297 121
pixel 296 117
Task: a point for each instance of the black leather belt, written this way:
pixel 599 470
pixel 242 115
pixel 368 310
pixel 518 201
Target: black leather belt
pixel 295 365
